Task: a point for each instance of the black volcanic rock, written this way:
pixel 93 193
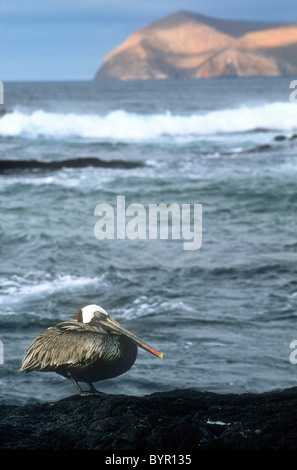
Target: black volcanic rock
pixel 175 421
pixel 20 165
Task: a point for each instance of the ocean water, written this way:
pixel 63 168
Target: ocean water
pixel 223 315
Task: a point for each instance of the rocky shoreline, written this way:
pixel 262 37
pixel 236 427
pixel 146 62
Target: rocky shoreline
pixel 176 421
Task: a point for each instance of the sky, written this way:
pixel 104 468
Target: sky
pixel 68 39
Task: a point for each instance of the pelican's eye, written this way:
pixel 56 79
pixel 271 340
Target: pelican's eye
pixel 100 315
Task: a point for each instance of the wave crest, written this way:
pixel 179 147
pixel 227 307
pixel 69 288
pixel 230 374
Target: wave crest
pixel 125 126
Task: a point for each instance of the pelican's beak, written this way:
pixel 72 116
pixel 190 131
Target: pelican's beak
pixel 78 316
pixel 115 327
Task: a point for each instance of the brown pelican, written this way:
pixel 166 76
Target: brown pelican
pixel 93 348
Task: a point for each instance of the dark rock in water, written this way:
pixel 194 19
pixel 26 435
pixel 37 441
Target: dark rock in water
pixel 20 165
pixel 175 421
pixel 260 148
pixel 279 138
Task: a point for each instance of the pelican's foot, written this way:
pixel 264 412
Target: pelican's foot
pixel 86 393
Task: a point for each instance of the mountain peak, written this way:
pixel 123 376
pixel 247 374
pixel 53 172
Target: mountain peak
pixel 191 45
pixel 231 27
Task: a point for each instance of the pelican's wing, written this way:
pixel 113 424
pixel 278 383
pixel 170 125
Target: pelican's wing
pixel 68 343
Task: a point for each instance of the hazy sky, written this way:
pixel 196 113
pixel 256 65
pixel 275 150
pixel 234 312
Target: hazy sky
pixel 68 39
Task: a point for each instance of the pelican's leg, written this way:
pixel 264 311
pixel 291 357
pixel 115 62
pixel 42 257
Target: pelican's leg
pixel 92 388
pixel 79 390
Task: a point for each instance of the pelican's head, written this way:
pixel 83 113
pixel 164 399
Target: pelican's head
pixel 91 311
pixel 100 316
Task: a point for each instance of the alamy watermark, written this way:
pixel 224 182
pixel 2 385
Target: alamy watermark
pixel 1 353
pixel 138 222
pixel 293 94
pixel 293 355
pixel 1 93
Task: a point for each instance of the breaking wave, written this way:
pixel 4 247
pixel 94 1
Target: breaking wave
pixel 22 289
pixel 125 126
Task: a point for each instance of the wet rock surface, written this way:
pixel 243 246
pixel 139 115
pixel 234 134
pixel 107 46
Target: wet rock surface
pixel 174 421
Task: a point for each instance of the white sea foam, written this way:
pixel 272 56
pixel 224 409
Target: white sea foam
pixel 143 306
pixel 120 125
pixel 25 288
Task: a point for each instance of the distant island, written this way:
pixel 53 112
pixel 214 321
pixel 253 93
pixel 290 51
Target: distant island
pixel 188 45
